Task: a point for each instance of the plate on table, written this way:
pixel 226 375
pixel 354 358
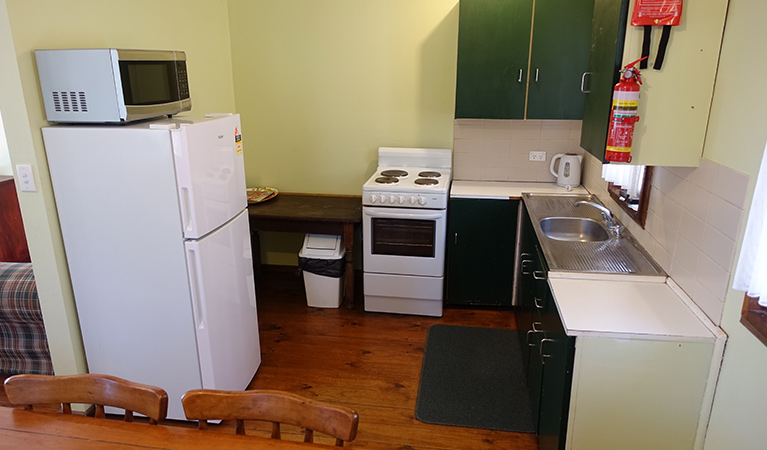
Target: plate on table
pixel 261 194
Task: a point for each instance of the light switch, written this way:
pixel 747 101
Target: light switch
pixel 26 179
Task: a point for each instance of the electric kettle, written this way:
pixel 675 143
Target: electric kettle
pixel 569 173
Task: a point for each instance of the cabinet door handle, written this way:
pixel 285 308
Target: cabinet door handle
pixel 523 266
pixel 455 239
pixel 539 275
pixel 540 350
pixel 536 74
pixel 532 332
pixel 520 76
pixel 538 305
pixel 583 83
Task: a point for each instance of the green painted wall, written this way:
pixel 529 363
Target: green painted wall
pixel 736 138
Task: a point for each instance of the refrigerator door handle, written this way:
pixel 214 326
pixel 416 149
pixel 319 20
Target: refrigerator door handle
pixel 197 292
pixel 186 210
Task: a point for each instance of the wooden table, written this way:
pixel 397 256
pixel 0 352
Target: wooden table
pixel 21 429
pixel 306 213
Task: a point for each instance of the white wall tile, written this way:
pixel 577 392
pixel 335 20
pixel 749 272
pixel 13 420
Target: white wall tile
pixel 712 276
pixel 494 146
pixel 696 200
pixel 555 129
pixel 718 247
pixel 732 186
pixel 725 217
pixel 692 228
pixel 526 129
pixel 704 175
pixel 712 306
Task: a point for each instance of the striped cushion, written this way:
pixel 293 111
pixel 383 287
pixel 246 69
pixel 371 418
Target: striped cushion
pixel 23 344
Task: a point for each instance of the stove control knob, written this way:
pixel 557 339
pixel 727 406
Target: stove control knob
pixel 383 198
pixel 412 200
pixel 373 198
pixel 392 199
pixel 421 201
pixel 401 199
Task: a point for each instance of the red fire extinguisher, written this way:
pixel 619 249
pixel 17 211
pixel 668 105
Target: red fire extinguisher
pixel 624 115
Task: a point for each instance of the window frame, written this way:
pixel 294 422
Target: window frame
pixel 754 318
pixel 640 215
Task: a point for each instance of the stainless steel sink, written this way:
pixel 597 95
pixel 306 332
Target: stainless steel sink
pixel 573 229
pixel 575 239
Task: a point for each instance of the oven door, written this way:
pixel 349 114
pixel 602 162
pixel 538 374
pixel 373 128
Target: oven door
pixel 404 241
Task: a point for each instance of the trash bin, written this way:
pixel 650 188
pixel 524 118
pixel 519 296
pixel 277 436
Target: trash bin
pixel 321 259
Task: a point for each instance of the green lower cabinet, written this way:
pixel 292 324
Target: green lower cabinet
pixel 556 353
pixel 547 352
pixel 481 238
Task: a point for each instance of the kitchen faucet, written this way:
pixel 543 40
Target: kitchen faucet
pixel 607 215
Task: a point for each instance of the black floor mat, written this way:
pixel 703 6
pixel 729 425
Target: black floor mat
pixel 473 377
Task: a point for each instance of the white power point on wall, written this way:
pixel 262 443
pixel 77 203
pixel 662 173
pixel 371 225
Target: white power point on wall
pixel 26 178
pixel 537 156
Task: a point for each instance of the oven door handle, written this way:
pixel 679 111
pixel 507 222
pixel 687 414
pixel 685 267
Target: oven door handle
pixel 391 215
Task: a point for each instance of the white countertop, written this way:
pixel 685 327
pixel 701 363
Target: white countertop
pixel 506 189
pixel 629 309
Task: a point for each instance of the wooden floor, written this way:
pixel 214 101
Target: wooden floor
pixel 370 362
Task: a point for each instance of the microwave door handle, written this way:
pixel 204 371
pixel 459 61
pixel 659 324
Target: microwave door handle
pixel 389 215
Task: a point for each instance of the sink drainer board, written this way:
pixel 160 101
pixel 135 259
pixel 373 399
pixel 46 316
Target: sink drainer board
pixel 473 377
pixel 622 256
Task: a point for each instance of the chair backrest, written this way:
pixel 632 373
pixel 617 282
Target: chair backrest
pixel 99 390
pixel 273 406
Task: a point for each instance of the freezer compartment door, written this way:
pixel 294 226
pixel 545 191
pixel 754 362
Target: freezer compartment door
pixel 224 305
pixel 210 171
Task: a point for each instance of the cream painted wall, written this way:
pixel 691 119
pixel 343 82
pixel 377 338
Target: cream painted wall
pixel 199 27
pixel 322 84
pixel 736 138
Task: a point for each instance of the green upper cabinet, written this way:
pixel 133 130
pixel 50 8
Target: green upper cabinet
pixel 504 44
pixel 493 49
pixel 607 36
pixel 559 58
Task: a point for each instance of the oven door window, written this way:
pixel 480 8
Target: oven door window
pixel 403 237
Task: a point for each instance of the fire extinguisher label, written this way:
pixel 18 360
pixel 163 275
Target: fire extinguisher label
pixel 625 103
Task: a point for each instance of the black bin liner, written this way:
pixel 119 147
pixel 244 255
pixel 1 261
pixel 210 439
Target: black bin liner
pixel 326 267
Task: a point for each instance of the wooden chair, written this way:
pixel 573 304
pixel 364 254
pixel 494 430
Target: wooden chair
pixel 273 406
pixel 100 390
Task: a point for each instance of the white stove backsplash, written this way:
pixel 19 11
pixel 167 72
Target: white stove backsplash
pixel 499 150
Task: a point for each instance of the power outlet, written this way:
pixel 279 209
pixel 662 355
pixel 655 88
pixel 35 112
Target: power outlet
pixel 537 156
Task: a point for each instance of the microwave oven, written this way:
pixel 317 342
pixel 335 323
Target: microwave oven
pixel 109 85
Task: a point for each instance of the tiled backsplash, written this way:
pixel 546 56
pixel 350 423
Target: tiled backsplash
pixel 498 150
pixel 692 226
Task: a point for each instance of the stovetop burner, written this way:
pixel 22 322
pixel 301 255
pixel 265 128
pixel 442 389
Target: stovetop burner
pixel 426 181
pixel 387 180
pixel 429 174
pixel 394 173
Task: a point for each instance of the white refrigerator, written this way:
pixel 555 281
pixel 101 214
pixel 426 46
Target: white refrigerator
pixel 155 226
